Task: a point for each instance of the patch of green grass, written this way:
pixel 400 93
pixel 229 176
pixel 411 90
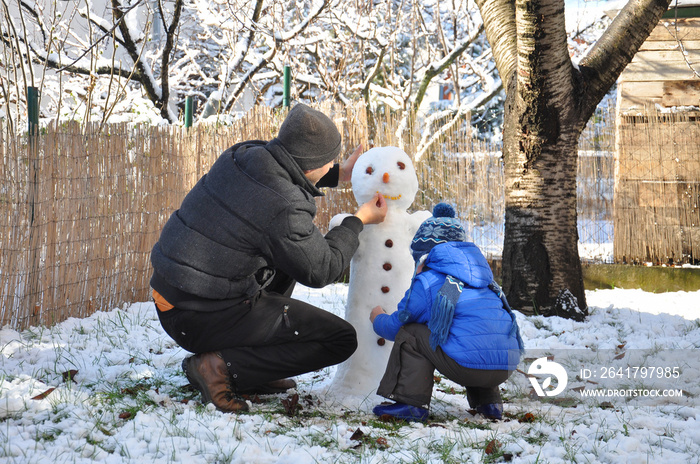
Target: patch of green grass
pixel 474 425
pixel 562 402
pixel 571 448
pixel 48 434
pixel 656 279
pixel 538 439
pixel 539 323
pixel 445 450
pixel 389 425
pixel 126 399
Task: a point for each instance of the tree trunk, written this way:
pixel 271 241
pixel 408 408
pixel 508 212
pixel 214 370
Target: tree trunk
pixel 541 265
pixel 548 103
pixel 542 269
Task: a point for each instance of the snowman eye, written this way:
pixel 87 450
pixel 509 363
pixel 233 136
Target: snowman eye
pixel 369 170
pixel 401 165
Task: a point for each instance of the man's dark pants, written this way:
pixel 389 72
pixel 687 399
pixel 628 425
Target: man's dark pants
pixel 266 338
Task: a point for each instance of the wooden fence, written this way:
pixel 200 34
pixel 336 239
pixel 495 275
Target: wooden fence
pixel 80 209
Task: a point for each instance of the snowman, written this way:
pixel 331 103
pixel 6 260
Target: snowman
pixel 382 267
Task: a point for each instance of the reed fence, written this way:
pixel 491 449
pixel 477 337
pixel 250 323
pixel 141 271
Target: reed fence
pixel 80 208
pixel 657 187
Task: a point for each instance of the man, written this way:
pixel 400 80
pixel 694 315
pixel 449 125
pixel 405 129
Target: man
pixel 227 261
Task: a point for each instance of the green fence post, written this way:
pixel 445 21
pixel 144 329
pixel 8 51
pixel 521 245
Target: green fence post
pixel 33 110
pixel 32 292
pixel 287 86
pixel 189 111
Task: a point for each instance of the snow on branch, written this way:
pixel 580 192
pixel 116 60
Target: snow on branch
pixel 262 62
pixel 285 36
pixel 105 35
pixel 464 109
pixel 32 9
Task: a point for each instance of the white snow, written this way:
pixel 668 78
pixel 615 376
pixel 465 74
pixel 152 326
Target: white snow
pixel 125 363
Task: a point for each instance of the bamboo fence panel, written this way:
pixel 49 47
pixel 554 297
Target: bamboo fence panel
pixel 657 188
pixel 81 209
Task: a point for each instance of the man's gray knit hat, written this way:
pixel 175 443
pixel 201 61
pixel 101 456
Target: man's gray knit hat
pixel 310 137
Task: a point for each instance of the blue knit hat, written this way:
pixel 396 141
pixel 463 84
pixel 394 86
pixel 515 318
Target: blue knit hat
pixel 442 227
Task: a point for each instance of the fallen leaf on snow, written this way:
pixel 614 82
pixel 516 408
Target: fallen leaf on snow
pixel 41 396
pixel 492 447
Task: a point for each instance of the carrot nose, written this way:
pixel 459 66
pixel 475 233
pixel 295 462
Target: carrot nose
pixel 385 177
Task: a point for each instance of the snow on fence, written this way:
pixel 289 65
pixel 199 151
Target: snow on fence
pixel 80 207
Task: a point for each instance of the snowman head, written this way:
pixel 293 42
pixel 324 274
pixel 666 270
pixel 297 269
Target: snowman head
pixel 389 171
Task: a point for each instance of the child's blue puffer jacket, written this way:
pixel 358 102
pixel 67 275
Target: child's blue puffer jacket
pixel 481 335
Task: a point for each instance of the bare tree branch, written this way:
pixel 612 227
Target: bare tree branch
pixel 248 77
pixel 499 23
pixel 438 67
pixel 464 110
pixel 165 58
pixel 616 47
pixel 104 36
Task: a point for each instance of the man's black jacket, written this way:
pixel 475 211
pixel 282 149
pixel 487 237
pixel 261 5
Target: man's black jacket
pixel 248 217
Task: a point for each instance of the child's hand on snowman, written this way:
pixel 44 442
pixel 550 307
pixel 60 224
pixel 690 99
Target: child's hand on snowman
pixel 376 311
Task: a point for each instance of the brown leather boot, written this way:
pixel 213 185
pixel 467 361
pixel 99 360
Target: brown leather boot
pixel 276 386
pixel 207 372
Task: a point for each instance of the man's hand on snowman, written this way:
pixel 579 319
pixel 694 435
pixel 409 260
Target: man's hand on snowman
pixel 376 311
pixel 374 211
pixel 346 167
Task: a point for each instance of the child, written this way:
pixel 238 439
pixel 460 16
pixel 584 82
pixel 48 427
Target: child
pixel 453 318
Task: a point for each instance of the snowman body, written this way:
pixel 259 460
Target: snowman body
pixel 382 267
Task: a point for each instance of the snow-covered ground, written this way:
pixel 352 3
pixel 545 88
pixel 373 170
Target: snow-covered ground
pixel 128 402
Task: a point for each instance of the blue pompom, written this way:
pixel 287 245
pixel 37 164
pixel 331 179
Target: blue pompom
pixel 443 210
